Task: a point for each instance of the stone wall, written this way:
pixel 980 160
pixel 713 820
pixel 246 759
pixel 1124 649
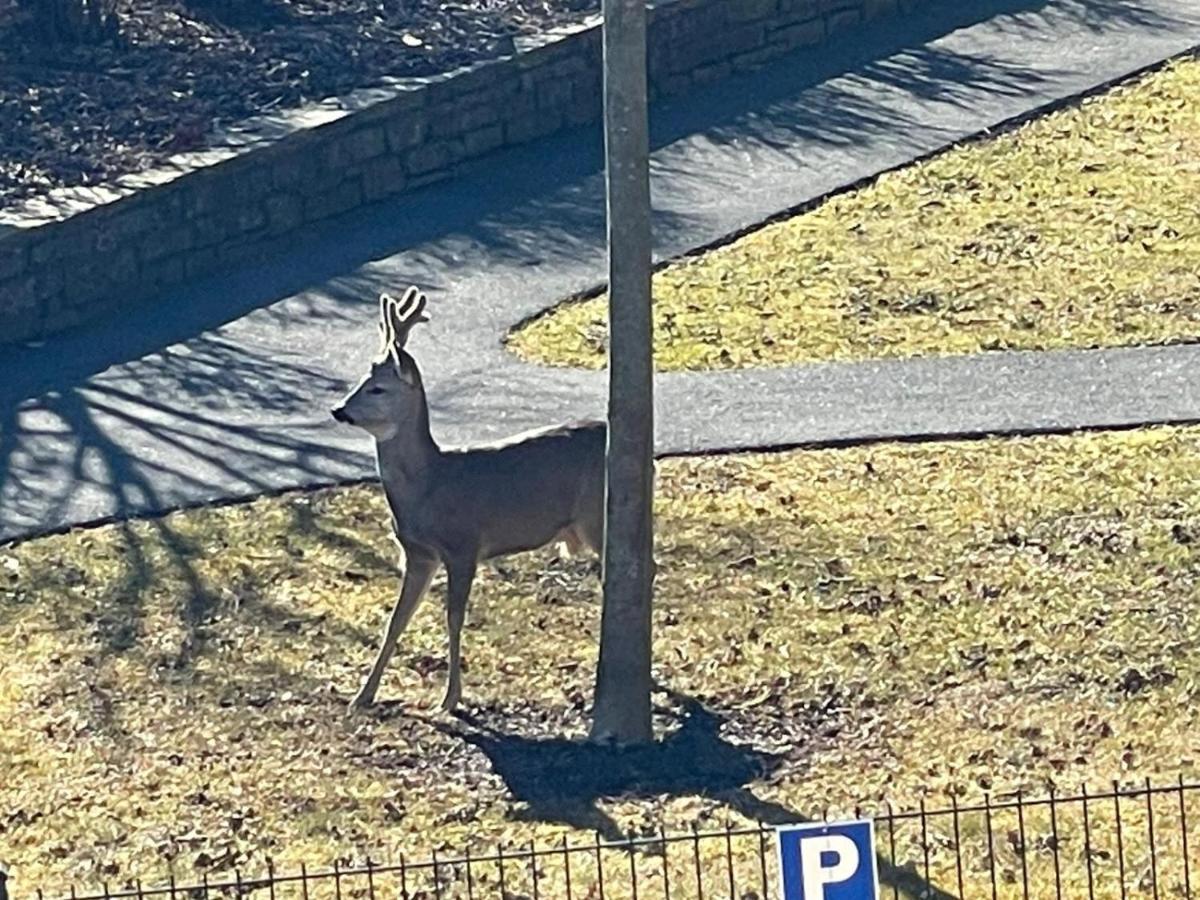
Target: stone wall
pixel 76 253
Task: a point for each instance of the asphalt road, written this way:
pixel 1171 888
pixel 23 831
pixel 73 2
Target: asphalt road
pixel 221 389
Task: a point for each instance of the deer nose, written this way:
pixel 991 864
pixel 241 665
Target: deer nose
pixel 340 414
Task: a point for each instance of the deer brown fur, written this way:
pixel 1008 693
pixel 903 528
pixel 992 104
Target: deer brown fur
pixel 454 508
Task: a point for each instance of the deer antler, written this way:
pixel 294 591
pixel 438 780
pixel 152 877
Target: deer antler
pixel 397 318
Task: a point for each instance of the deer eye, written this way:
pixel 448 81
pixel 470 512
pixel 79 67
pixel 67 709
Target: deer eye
pixel 375 390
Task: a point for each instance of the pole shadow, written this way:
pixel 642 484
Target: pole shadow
pixel 561 781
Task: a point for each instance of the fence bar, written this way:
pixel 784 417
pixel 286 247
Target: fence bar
pixel 925 839
pixel 1150 834
pixel 957 847
pixel 1187 872
pixel 762 862
pixel 1087 845
pixel 987 803
pixel 728 859
pixel 892 848
pixel 470 876
pixel 1120 838
pixel 599 868
pixel 632 871
pixel 567 865
pixel 303 881
pixel 437 877
pixel 696 860
pixel 1024 847
pixel 1054 845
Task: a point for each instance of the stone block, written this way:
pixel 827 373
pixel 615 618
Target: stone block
pixel 212 229
pixel 532 126
pixel 749 10
pixel 450 120
pixel 433 156
pixel 554 95
pixel 167 242
pixel 799 10
pixel 331 203
pixel 14 257
pixel 18 323
pixel 757 58
pixel 250 217
pixel 383 177
pixel 711 73
pixel 484 140
pixel 287 171
pixel 364 144
pixel 802 34
pixel 709 48
pixel 201 262
pixel 162 273
pixel 122 268
pixel 842 21
pixel 284 212
pixel 673 84
pixel 406 131
pixel 877 9
pixel 522 104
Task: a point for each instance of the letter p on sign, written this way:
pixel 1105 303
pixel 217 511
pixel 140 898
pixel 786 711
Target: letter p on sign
pixel 828 861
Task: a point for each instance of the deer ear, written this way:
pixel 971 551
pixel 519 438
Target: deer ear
pixel 404 368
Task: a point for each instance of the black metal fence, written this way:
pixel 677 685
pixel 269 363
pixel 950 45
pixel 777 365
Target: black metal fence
pixel 1121 842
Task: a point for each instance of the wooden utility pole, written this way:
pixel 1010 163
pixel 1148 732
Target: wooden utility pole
pixel 622 701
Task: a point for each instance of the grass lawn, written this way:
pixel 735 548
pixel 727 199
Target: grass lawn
pixel 1080 229
pixel 858 625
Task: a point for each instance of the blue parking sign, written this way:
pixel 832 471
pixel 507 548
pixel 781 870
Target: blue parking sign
pixel 828 861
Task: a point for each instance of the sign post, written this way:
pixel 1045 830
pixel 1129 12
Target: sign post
pixel 828 861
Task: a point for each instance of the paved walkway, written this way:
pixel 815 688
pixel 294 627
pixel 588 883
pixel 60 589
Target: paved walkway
pixel 222 389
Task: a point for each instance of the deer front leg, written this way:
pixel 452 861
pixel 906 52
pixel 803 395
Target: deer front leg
pixel 418 572
pixel 460 576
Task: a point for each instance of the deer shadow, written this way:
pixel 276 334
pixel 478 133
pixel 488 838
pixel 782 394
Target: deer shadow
pixel 561 781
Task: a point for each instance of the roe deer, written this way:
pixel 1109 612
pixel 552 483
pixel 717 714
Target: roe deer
pixel 456 508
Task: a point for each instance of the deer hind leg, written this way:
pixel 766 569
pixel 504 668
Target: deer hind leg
pixel 418 572
pixel 458 591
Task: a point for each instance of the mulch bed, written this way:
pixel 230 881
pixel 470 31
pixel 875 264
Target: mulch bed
pixel 80 115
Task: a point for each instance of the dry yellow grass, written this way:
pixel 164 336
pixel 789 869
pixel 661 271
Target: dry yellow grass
pixel 1081 229
pixel 871 623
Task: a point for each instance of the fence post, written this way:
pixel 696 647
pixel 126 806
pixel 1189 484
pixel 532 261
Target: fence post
pixel 1187 873
pixel 1087 845
pixel 1150 833
pixel 1120 836
pixel 1054 845
pixel 957 845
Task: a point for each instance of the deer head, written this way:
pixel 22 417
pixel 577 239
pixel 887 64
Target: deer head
pixel 390 397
